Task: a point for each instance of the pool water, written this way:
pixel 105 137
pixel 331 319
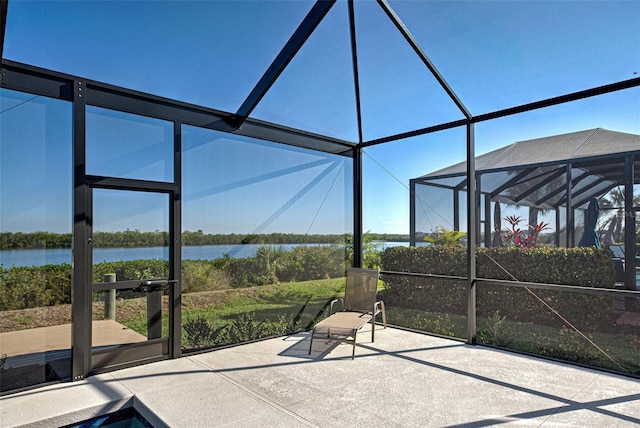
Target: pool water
pixel 125 418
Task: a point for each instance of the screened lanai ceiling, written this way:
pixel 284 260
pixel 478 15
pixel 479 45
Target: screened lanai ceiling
pixel 357 72
pixel 533 172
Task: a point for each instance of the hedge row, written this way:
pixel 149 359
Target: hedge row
pixel 48 285
pixel 31 287
pixel 586 267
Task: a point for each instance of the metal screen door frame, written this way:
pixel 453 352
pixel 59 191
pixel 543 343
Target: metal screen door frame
pixel 87 361
pixel 114 354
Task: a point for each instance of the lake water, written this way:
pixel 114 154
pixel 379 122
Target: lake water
pixel 56 256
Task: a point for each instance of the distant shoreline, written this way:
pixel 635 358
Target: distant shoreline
pixel 137 239
pixel 56 256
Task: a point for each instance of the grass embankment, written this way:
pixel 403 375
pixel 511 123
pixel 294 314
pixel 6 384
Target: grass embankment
pixel 268 302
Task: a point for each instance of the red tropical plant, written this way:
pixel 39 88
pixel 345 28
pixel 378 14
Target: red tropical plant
pixel 526 238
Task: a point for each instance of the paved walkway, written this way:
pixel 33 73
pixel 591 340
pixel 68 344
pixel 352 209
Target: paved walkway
pixel 404 379
pixel 36 345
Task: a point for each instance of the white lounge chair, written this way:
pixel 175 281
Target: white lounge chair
pixel 359 306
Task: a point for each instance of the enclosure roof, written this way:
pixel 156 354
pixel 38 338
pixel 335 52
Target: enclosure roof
pixel 532 172
pixel 345 72
pixel 548 150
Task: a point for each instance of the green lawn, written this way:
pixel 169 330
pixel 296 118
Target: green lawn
pixel 274 307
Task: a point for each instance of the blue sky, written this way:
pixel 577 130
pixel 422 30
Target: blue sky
pixel 493 54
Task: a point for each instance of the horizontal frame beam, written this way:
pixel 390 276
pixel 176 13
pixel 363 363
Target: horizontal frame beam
pixel 37 81
pixel 549 102
pixel 522 284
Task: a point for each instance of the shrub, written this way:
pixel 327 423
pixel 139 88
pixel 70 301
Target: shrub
pixel 442 236
pixel 272 265
pixel 370 250
pixel 568 345
pixel 588 267
pixel 24 287
pixel 132 269
pixel 306 263
pixel 496 331
pixel 199 333
pixel 245 328
pixel 515 235
pixel 245 273
pixel 424 321
pixel 203 275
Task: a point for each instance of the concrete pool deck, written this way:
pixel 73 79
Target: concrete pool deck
pixel 404 379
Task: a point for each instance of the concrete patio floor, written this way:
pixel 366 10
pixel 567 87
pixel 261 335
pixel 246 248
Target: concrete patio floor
pixel 404 379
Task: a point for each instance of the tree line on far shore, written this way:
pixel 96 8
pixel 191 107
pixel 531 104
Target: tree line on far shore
pixel 136 238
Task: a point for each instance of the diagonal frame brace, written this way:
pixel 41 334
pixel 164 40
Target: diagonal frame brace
pixel 423 56
pixel 356 73
pixel 290 49
pixel 4 5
